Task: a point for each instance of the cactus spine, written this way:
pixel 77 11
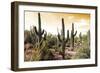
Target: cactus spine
pixel 62 39
pixel 39 32
pixel 73 36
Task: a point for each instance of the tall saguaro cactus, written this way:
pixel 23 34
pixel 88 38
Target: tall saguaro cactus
pixel 73 34
pixel 62 39
pixel 39 32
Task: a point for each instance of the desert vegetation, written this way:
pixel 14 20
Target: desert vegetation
pixel 39 45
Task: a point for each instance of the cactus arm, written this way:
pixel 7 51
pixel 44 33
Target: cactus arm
pixel 42 32
pixel 35 29
pixel 75 33
pixel 67 36
pixel 59 37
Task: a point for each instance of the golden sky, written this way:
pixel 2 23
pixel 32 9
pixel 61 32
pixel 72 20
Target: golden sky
pixel 51 21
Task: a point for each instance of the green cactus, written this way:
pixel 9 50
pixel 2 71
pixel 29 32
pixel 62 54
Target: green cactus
pixel 73 34
pixel 39 32
pixel 62 39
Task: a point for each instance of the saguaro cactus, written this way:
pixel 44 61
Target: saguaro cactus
pixel 39 32
pixel 73 34
pixel 62 39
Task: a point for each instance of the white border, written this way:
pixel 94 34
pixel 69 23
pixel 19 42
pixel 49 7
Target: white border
pixel 23 64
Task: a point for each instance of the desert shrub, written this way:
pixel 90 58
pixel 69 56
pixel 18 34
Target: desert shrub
pixel 82 53
pixel 51 40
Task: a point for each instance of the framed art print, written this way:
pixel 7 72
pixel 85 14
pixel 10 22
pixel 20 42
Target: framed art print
pixel 52 36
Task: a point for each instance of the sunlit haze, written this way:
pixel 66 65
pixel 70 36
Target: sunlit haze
pixel 52 21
